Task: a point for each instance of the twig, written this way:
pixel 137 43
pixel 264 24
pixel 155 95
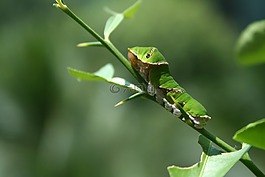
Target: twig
pixel 245 159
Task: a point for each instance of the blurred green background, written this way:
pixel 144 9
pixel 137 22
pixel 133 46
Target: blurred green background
pixel 52 125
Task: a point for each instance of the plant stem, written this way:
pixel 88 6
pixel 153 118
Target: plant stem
pixel 245 159
pixel 104 42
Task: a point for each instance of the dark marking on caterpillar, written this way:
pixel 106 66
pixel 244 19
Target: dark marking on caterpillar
pixel 148 55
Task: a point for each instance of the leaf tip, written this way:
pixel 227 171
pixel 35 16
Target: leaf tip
pixel 87 44
pixel 118 104
pixel 129 12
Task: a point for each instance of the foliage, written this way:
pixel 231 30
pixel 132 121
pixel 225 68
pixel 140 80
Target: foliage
pixel 213 161
pixel 251 44
pixel 252 134
pixel 251 51
pixel 104 74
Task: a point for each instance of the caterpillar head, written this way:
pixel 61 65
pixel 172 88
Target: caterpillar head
pixel 149 55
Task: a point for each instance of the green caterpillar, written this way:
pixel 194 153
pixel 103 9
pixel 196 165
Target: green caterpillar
pixel 153 67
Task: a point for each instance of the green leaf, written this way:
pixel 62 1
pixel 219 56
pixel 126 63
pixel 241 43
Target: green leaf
pixel 87 44
pixel 213 162
pixel 251 44
pixel 112 24
pixel 128 13
pixel 104 74
pixel 252 134
pixel 114 21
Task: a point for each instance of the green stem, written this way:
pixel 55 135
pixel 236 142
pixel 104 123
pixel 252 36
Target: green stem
pixel 245 159
pixel 104 42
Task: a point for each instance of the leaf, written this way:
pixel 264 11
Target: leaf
pixel 112 24
pixel 213 162
pixel 87 44
pixel 114 21
pixel 128 13
pixel 252 134
pixel 251 44
pixel 106 71
pixel 105 74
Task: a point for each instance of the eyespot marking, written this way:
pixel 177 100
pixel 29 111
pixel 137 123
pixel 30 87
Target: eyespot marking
pixel 148 55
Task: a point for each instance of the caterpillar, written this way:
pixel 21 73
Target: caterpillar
pixel 154 69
